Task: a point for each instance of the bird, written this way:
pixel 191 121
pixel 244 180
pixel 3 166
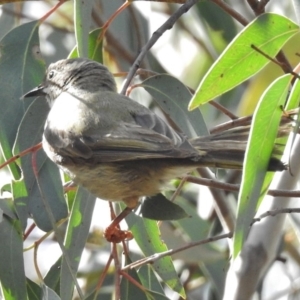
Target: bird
pixel 116 148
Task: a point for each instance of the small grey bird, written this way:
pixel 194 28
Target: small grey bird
pixel 116 148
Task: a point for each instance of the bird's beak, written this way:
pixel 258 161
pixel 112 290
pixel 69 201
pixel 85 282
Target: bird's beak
pixel 38 91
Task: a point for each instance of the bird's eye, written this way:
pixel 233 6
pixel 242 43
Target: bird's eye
pixel 51 74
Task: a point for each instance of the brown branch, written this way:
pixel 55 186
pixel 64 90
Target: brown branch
pixel 154 38
pixel 235 187
pixel 275 212
pixel 258 7
pixel 222 208
pixel 151 259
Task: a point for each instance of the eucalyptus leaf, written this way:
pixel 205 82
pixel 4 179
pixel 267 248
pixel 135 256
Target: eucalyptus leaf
pixel 147 235
pixel 173 97
pixel 159 207
pixel 21 68
pixel 52 279
pixel 47 185
pixel 94 47
pixel 49 294
pixel 82 22
pixel 12 273
pixel 262 137
pixel 75 239
pixel 239 61
pixel 34 290
pixel 128 289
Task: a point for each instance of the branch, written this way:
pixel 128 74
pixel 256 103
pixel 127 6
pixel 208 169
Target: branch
pixel 151 259
pixel 274 212
pixel 235 187
pixel 155 36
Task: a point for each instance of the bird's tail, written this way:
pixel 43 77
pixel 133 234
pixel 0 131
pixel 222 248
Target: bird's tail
pixel 227 148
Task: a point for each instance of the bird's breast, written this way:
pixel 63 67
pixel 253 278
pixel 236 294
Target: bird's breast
pixel 67 114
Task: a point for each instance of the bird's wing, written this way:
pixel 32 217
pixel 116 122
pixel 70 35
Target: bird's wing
pixel 146 137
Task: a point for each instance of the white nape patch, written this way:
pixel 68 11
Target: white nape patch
pixel 66 113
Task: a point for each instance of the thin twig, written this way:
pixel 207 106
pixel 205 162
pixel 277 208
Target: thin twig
pixel 21 154
pixel 28 231
pixel 52 10
pixel 283 65
pixel 151 259
pixel 118 269
pixel 231 124
pixel 102 277
pixel 132 280
pixel 155 36
pixel 222 207
pixel 274 212
pixel 223 109
pixel 235 187
pixel 280 56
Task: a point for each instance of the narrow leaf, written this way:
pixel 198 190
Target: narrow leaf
pixel 12 274
pixel 262 137
pixel 49 186
pixel 94 47
pixel 75 239
pixel 173 98
pixel 147 235
pixel 239 61
pixel 82 21
pixel 21 68
pixel 159 207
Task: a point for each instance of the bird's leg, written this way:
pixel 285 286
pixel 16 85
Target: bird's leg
pixel 113 233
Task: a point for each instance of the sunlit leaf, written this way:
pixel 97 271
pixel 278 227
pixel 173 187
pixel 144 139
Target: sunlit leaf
pixel 239 61
pixel 262 137
pixel 82 22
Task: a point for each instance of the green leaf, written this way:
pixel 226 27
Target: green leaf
pixel 173 98
pixel 263 133
pixel 94 47
pixel 239 61
pixel 293 102
pixel 20 194
pixel 34 291
pixel 75 239
pixel 294 96
pixel 12 274
pixel 49 294
pixel 7 208
pixel 217 19
pixel 82 22
pixel 130 290
pixel 159 207
pixel 52 279
pixel 49 185
pixel 147 235
pixel 7 20
pixel 149 280
pixel 21 68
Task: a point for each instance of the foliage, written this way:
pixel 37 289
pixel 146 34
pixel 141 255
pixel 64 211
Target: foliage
pixel 187 256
